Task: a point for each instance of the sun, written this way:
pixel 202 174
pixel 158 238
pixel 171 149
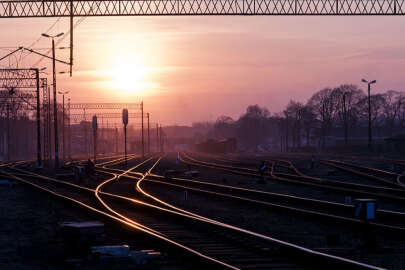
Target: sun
pixel 129 77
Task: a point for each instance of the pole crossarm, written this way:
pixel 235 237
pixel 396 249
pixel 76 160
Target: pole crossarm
pixel 106 106
pixel 44 55
pixel 67 8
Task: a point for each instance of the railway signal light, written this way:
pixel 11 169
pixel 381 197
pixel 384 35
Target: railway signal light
pixel 125 116
pixel 94 123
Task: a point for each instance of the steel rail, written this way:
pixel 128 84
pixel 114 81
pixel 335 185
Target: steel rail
pixel 320 204
pixel 116 177
pixel 352 188
pixel 316 254
pixel 124 222
pixel 341 165
pixel 298 210
pixel 183 212
pixel 399 179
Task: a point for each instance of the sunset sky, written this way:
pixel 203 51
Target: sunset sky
pixel 189 69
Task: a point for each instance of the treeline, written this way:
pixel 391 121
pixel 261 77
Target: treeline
pixel 340 112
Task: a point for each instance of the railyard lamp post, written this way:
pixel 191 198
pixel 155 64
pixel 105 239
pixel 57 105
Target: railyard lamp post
pixel 55 107
pixel 63 121
pixel 369 111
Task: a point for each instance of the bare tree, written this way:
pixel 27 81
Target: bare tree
pixel 294 113
pixel 323 106
pixel 252 126
pixel 308 121
pixel 393 101
pixel 224 127
pixel 377 102
pixel 345 98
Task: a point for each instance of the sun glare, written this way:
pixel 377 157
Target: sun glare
pixel 128 77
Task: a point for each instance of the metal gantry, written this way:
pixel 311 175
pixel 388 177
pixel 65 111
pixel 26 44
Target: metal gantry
pixel 68 8
pixel 102 111
pixel 104 106
pixel 15 81
pixel 76 117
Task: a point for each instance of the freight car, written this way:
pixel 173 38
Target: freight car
pixel 217 146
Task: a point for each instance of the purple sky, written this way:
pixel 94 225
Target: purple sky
pixel 188 69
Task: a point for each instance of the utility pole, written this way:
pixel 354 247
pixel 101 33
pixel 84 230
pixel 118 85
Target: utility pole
pixel 345 117
pixel 38 120
pixel 55 107
pixel 102 133
pixel 286 132
pixel 63 123
pixel 148 135
pixel 116 139
pixel 143 142
pixel 94 122
pixel 69 132
pixel 8 131
pixel 369 113
pixel 161 139
pixel 157 138
pixel 125 122
pixel 85 132
pixel 71 37
pixel 49 125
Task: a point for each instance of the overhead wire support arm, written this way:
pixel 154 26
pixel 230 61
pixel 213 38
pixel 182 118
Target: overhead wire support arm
pixel 44 55
pixel 9 54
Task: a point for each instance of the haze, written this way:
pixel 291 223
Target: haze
pixel 189 69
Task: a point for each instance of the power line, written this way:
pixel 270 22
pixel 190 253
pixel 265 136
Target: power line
pixel 78 22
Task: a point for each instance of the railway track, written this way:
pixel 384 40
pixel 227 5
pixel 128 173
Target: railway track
pixel 370 191
pixel 230 253
pixel 221 245
pixel 388 178
pixel 344 213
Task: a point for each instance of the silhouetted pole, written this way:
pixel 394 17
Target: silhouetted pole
pixel 63 123
pixel 157 138
pixel 94 122
pixel 125 143
pixel 148 135
pixel 49 124
pixel 116 139
pixel 143 142
pixel 286 134
pixel 345 117
pixel 161 139
pixel 69 132
pixel 38 119
pixel 125 122
pixel 55 107
pixel 102 134
pixel 8 132
pixel 369 113
pixel 85 133
pixel 71 37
